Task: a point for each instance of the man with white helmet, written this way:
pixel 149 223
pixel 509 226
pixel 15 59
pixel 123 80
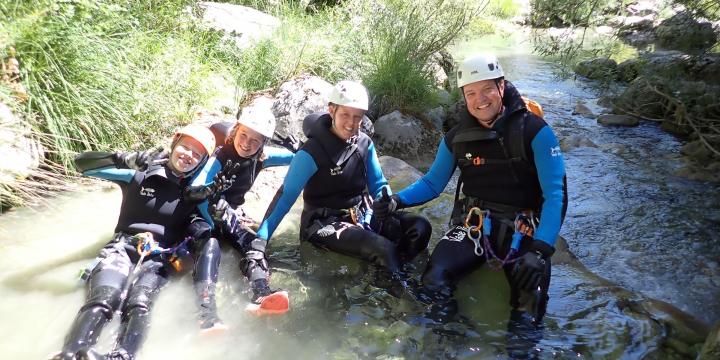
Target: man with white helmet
pixel 244 149
pixel 339 172
pixel 511 173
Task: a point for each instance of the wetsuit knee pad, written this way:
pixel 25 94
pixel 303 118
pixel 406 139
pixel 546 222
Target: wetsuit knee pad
pixel 208 261
pixel 141 297
pixel 107 298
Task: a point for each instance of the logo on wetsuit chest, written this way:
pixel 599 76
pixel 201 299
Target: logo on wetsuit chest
pixel 555 151
pixel 336 171
pixel 149 192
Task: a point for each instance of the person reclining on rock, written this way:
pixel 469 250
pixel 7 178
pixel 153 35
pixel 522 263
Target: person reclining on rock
pixel 150 243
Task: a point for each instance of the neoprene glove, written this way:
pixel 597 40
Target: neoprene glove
pixel 222 181
pixel 289 142
pixel 528 272
pixel 385 205
pixel 141 160
pixel 219 210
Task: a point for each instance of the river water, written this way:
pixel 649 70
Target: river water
pixel 630 221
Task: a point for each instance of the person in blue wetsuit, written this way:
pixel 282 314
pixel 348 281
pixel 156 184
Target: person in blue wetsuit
pixel 150 243
pixel 339 171
pixel 243 145
pixel 512 179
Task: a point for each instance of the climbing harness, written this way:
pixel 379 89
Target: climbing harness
pixel 477 229
pixel 524 225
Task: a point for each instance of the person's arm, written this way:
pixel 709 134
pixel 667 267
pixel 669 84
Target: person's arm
pixel 103 165
pixel 551 174
pixel 375 178
pixel 433 183
pixel 277 156
pixel 301 169
pixel 205 177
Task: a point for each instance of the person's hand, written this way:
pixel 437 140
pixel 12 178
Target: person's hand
pixel 222 181
pixel 141 160
pixel 289 142
pixel 219 210
pixel 385 205
pixel 528 272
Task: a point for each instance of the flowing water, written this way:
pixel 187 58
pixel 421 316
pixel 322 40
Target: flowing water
pixel 629 221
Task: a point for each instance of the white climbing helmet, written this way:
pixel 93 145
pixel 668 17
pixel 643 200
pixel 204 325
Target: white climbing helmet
pixel 479 67
pixel 259 119
pixel 349 93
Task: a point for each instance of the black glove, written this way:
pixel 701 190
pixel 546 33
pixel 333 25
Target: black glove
pixel 528 272
pixel 141 160
pixel 385 205
pixel 219 210
pixel 222 181
pixel 289 142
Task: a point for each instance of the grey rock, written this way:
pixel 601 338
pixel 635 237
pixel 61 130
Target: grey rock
pixel 437 117
pixel 682 31
pixel 575 141
pixel 244 25
pixel 583 110
pixel 405 137
pixel 597 69
pixel 21 153
pixel 297 99
pixel 617 120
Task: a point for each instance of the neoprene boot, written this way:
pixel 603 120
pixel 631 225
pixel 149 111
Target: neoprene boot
pixel 207 316
pixel 267 302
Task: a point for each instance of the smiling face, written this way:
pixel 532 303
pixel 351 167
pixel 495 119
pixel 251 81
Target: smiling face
pixel 346 120
pixel 484 100
pixel 247 141
pixel 186 155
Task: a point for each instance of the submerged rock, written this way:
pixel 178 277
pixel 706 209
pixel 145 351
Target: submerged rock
pixel 617 120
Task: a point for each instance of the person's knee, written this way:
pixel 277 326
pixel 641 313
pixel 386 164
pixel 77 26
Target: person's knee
pixel 105 298
pixel 436 276
pixel 381 251
pixel 199 231
pixel 208 261
pixel 140 299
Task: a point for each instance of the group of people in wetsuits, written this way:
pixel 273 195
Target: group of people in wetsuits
pixel 178 208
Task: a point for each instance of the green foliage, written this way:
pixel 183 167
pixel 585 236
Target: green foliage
pixel 401 38
pixel 108 74
pixel 502 9
pixel 709 9
pixel 560 13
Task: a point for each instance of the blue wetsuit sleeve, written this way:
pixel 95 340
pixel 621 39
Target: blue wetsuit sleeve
pixel 277 156
pixel 112 174
pixel 301 169
pixel 375 177
pixel 433 183
pixel 205 177
pixel 551 174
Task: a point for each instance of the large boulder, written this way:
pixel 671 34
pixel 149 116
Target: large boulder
pixel 300 97
pixel 597 69
pixel 21 153
pixel 406 137
pixel 244 25
pixel 683 32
